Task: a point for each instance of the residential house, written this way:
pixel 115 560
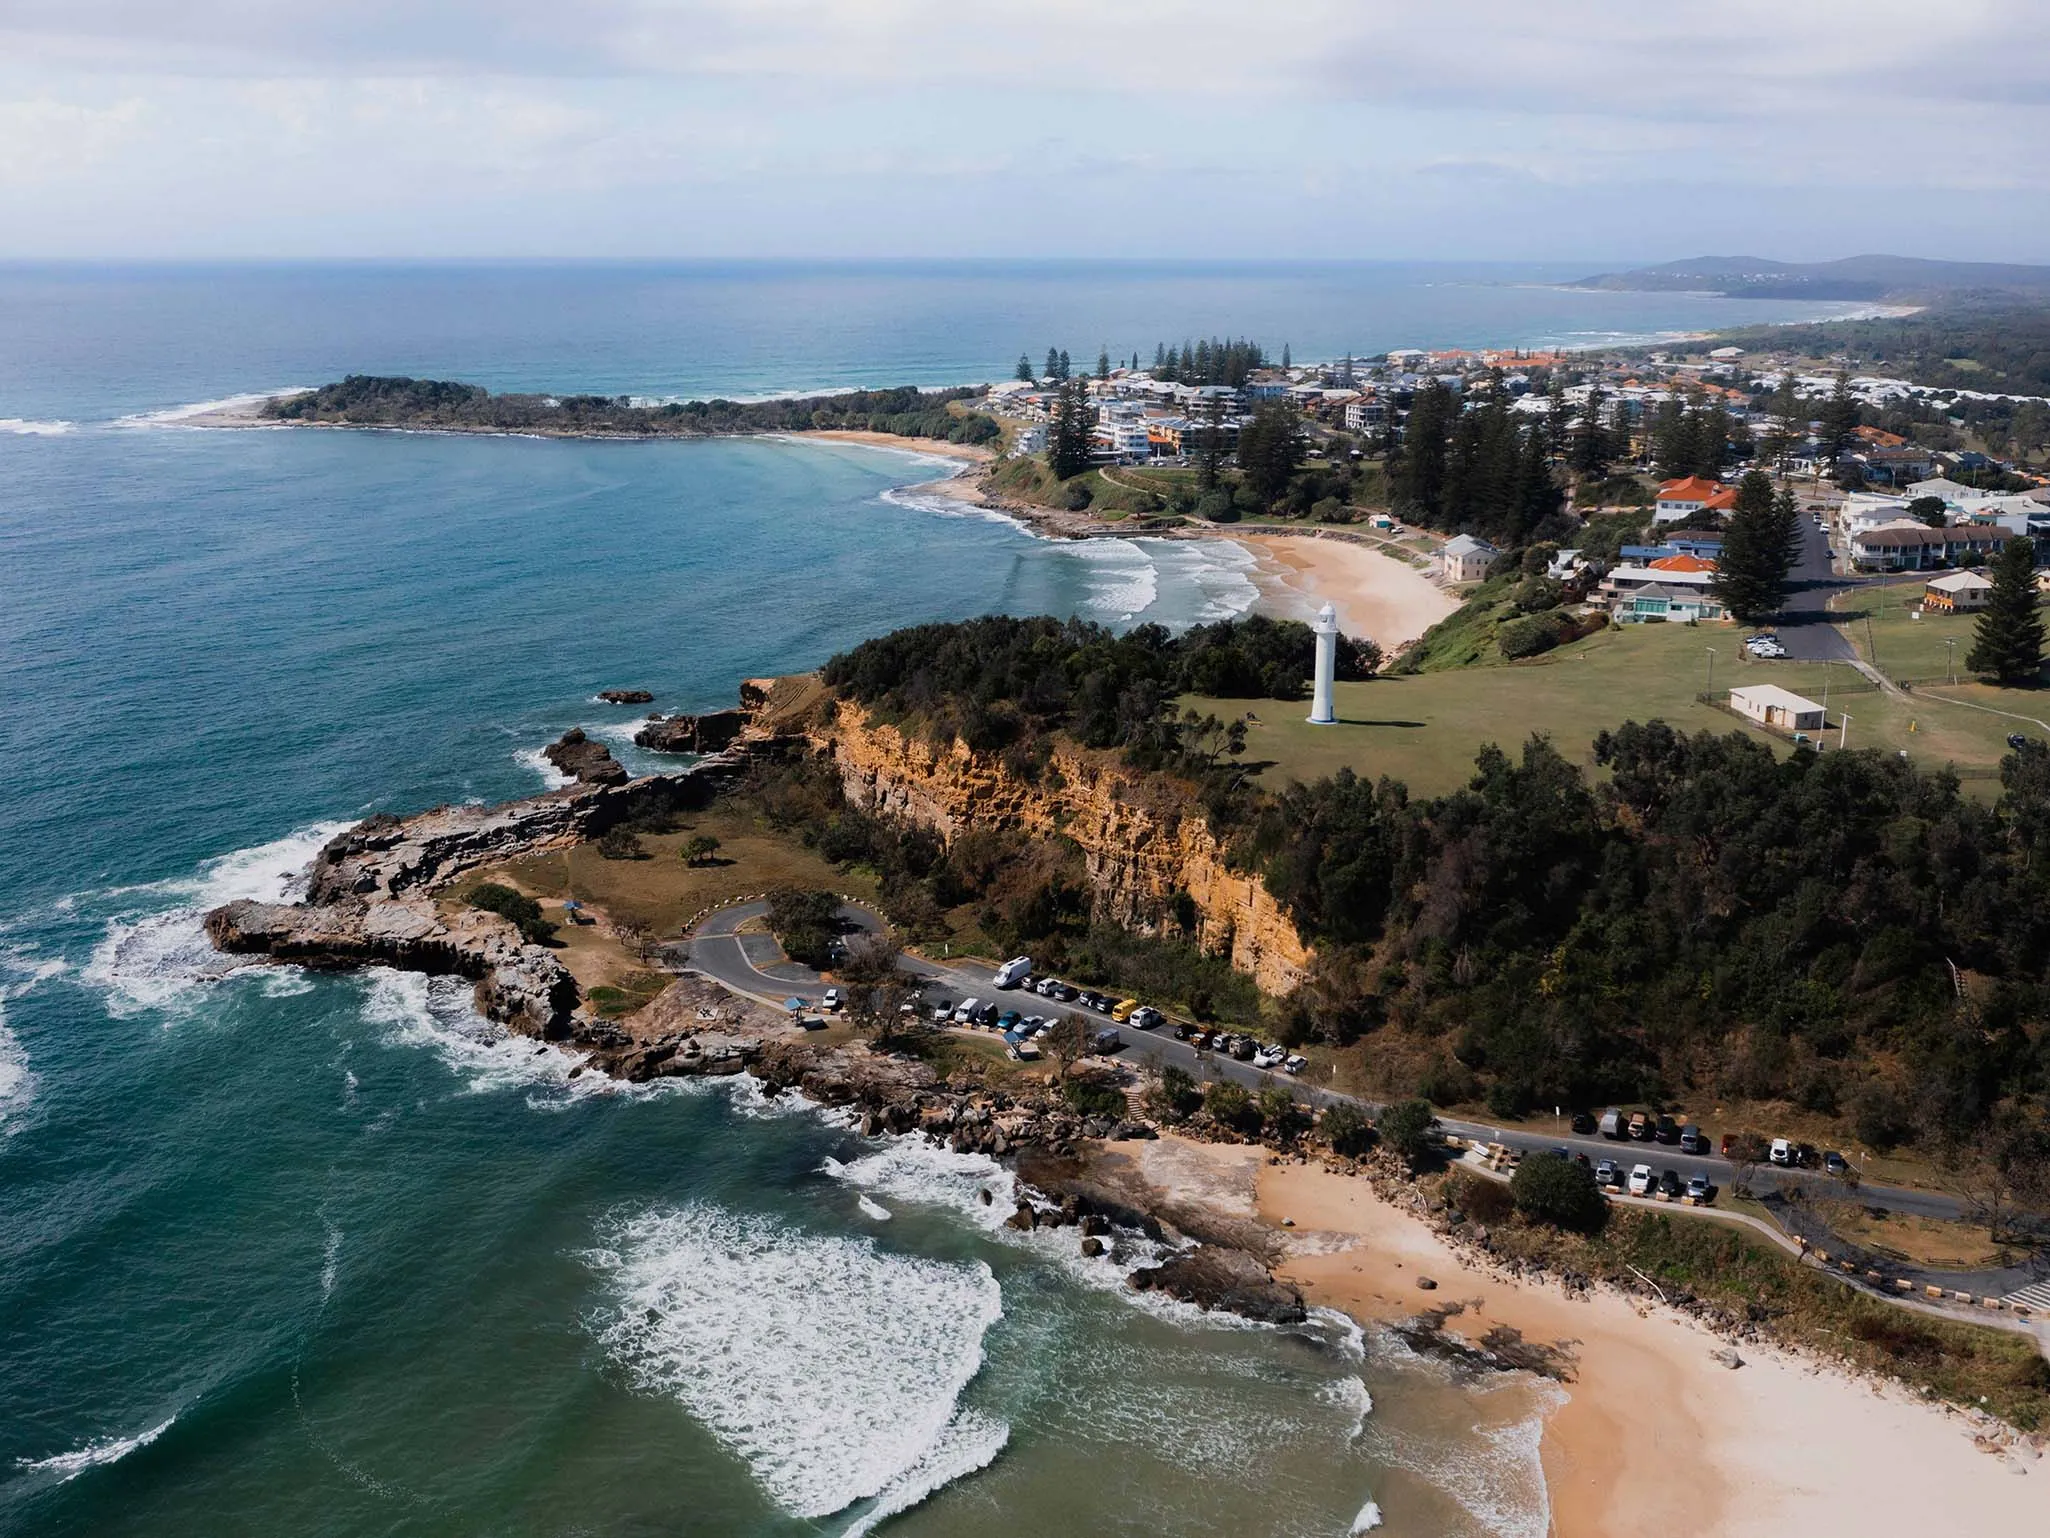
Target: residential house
pixel 1683 499
pixel 1637 593
pixel 1955 592
pixel 1466 559
pixel 1770 705
pixel 1908 546
pixel 1365 414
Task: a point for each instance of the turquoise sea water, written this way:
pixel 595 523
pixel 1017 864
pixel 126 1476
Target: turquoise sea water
pixel 282 1253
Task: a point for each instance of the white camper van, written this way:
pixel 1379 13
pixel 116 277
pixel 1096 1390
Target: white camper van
pixel 1014 971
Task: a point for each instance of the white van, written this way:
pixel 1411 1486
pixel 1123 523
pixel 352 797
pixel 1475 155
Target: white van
pixel 1014 971
pixel 965 1013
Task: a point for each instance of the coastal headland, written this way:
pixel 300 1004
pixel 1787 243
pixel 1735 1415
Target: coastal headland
pixel 1654 1425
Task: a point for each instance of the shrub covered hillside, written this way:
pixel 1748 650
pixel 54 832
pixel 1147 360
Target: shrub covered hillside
pixel 1839 930
pixel 999 682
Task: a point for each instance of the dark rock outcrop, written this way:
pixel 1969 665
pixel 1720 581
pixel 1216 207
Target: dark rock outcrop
pixel 370 893
pixel 585 761
pixel 708 733
pixel 626 696
pixel 1214 1276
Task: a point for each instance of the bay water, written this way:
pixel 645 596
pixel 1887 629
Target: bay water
pixel 329 1255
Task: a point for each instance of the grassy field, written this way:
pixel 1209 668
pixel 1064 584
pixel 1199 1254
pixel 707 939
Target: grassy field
pixel 661 891
pixel 1424 730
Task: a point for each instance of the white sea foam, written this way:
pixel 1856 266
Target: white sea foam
pixel 1350 1396
pixel 552 778
pixel 1368 1519
pixel 17 1080
pixel 94 1454
pixel 969 1444
pixel 910 1169
pixel 330 1260
pixel 871 1208
pixel 181 416
pixel 950 507
pixel 437 1013
pixel 24 969
pixel 1123 580
pixel 831 1368
pixel 155 956
pixel 29 429
pixel 1499 1481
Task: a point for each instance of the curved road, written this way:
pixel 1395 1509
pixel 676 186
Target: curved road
pixel 752 964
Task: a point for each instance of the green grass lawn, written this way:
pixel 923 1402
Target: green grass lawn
pixel 1425 729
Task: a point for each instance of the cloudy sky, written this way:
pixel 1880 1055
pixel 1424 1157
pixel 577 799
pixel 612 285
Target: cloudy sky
pixel 1499 129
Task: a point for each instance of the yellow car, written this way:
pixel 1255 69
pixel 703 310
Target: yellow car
pixel 1123 1011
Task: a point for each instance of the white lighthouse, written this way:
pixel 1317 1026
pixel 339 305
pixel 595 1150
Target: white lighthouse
pixel 1326 630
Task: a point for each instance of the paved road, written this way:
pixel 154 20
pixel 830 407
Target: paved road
pixel 1805 629
pixel 722 955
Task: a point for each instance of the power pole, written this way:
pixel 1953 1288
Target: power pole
pixel 1844 734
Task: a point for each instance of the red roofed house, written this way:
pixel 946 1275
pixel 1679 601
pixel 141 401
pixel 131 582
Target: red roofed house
pixel 1683 499
pixel 1682 563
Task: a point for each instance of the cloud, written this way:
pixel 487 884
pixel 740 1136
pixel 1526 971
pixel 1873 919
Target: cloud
pixel 1615 111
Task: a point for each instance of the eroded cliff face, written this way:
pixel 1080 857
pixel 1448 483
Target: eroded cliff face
pixel 1141 847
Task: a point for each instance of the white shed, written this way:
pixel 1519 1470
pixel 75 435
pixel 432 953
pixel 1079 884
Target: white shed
pixel 1770 705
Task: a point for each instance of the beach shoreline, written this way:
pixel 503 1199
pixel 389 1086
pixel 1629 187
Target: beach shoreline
pixel 1376 594
pixel 1654 1432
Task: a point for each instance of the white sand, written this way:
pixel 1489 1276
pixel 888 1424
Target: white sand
pixel 1376 594
pixel 1655 1435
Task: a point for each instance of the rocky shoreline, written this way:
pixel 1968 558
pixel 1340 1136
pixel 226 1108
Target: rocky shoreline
pixel 373 899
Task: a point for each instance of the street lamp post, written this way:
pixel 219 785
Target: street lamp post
pixel 1711 668
pixel 1950 648
pixel 1844 734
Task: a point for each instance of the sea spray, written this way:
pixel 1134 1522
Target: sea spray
pixel 832 1368
pixel 155 955
pixel 95 1454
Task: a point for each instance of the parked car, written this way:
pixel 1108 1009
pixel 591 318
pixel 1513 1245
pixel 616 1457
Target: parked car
pixel 1667 1131
pixel 1834 1163
pixel 1781 1152
pixel 1008 1020
pixel 1640 1128
pixel 1583 1122
pixel 1607 1174
pixel 1640 1180
pixel 1242 1049
pixel 1122 1011
pixel 1270 1057
pixel 1146 1017
pixel 1014 973
pixel 1108 1041
pixel 1612 1124
pixel 1698 1189
pixel 1669 1182
pixel 965 1013
pixel 832 998
pixel 2017 741
pixel 1693 1140
pixel 1200 1041
pixel 1295 1062
pixel 1183 1031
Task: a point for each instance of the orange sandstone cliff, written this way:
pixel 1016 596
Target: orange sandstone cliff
pixel 1141 844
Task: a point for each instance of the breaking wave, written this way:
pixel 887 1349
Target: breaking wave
pixel 831 1368
pixel 158 957
pixel 94 1454
pixel 29 429
pixel 437 1013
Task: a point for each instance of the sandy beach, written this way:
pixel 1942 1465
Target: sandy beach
pixel 1654 1434
pixel 1376 594
pixel 940 447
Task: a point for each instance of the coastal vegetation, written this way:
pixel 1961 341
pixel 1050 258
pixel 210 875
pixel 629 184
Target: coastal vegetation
pixel 1477 471
pixel 366 400
pixel 1691 1261
pixel 1842 931
pixel 2001 347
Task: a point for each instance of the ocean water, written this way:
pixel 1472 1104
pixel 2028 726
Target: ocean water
pixel 328 1255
